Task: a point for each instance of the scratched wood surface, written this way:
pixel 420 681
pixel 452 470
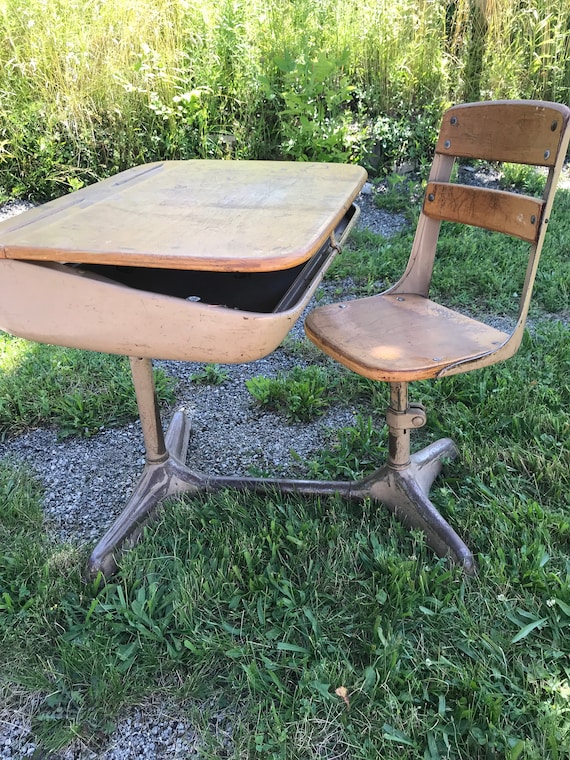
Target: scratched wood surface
pixel 517 215
pixel 225 216
pixel 533 134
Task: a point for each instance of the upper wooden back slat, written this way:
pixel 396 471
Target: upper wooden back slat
pixel 517 215
pixel 478 130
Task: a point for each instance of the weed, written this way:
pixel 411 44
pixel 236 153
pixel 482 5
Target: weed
pixel 354 451
pixel 210 374
pixel 315 117
pixel 399 194
pixel 302 394
pixel 527 178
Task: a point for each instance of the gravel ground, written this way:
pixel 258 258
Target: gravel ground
pixel 87 482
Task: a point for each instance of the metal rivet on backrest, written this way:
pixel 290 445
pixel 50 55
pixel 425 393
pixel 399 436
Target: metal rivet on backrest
pixel 533 219
pixel 453 120
pixel 431 197
pixel 553 126
pixel 447 144
pixel 546 154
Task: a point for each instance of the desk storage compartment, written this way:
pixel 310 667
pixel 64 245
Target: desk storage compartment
pixel 261 292
pixel 248 291
pixel 85 308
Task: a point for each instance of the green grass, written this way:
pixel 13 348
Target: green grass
pixel 265 606
pixel 80 391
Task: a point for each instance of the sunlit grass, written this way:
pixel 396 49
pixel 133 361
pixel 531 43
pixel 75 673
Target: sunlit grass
pixel 264 607
pixel 79 392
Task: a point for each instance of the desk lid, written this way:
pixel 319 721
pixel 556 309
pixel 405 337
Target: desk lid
pixel 225 216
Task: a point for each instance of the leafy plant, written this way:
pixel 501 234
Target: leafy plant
pixel 321 81
pixel 395 141
pixel 316 122
pixel 210 374
pixel 527 178
pixel 301 395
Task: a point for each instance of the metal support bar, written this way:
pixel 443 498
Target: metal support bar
pixel 149 412
pixel 402 484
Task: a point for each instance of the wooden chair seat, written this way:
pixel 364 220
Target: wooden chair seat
pixel 400 337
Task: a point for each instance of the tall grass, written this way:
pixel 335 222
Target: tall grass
pixel 89 87
pixel 79 79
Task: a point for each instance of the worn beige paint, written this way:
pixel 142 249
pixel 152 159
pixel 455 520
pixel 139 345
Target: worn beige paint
pixel 57 304
pixel 194 215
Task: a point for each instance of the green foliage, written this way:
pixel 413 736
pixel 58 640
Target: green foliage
pixel 353 451
pixel 302 394
pixel 210 374
pixel 96 88
pixel 316 121
pixel 395 140
pixel 399 194
pixel 526 178
pixel 80 392
pixel 265 606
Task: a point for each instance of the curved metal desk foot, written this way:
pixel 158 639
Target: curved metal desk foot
pixel 158 482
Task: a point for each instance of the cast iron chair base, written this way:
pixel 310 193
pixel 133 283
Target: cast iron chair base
pixel 402 488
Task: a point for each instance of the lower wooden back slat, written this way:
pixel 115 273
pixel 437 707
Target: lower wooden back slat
pixel 496 210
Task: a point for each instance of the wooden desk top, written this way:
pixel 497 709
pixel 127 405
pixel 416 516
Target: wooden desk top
pixel 224 216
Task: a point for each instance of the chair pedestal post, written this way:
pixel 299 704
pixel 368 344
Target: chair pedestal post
pixel 403 484
pixel 398 424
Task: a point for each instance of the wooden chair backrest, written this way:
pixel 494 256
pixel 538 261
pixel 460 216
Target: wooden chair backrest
pixel 520 131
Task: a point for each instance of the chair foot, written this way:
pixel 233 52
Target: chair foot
pixel 405 491
pixel 178 435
